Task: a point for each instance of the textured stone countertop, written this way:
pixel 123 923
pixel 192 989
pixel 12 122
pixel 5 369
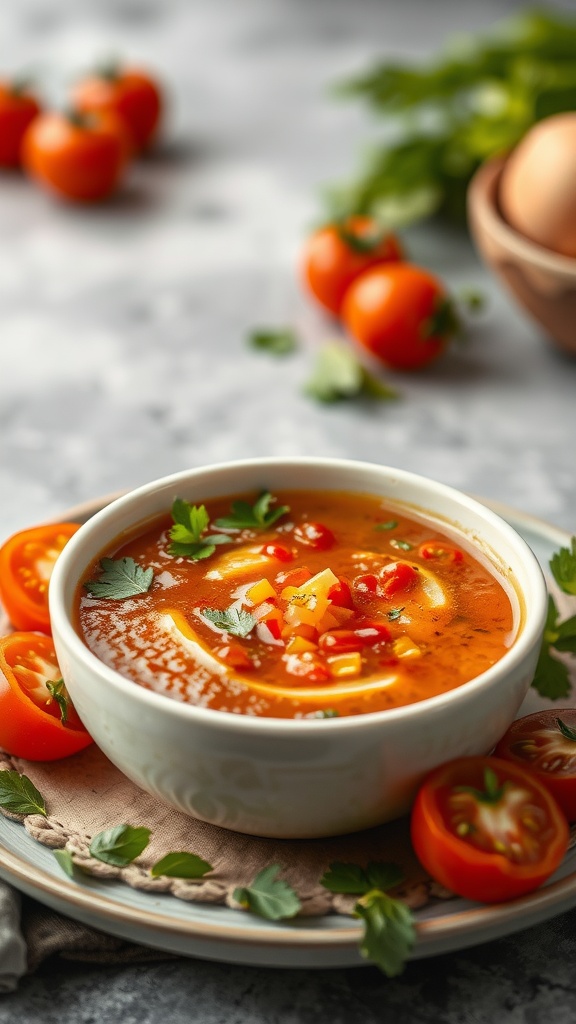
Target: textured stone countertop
pixel 123 357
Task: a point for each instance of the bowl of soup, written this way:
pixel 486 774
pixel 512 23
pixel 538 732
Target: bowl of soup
pixel 285 647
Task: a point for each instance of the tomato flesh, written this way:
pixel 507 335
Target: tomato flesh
pixel 30 717
pixel 487 846
pixel 26 563
pixel 315 535
pixel 538 743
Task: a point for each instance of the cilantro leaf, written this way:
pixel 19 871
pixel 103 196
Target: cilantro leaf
pixel 338 374
pixel 343 877
pixel 269 896
pixel 389 931
pixel 278 342
pixel 59 693
pixel 258 516
pixel 390 524
pixel 551 677
pixel 181 865
pixel 19 795
pixel 563 566
pixel 121 578
pixel 64 858
pixel 233 620
pixel 121 845
pixel 187 533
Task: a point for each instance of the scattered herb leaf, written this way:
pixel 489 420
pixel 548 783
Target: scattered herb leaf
pixel 551 678
pixel 258 516
pixel 121 845
pixel 187 533
pixel 269 896
pixel 394 614
pixel 59 693
pixel 279 342
pixel 19 795
pixel 343 877
pixel 64 858
pixel 233 620
pixel 391 524
pixel 181 865
pixel 338 375
pixel 121 578
pixel 402 544
pixel 389 931
pixel 563 566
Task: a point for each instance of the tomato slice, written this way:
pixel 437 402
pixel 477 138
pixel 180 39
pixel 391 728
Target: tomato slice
pixel 487 829
pixel 26 563
pixel 31 716
pixel 545 742
pixel 396 578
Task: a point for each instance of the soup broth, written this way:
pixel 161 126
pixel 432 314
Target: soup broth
pixel 302 605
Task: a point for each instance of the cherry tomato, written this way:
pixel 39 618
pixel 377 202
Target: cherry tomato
pixel 132 94
pixel 395 578
pixel 545 742
pixel 277 551
pixel 336 254
pixel 80 157
pixel 37 718
pixel 314 535
pixel 436 551
pixel 18 108
pixel 26 562
pixel 487 829
pixel 400 313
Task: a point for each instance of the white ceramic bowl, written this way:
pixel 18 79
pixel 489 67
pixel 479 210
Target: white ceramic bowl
pixel 296 778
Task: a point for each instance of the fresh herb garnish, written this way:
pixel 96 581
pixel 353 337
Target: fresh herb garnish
pixel 181 865
pixel 394 613
pixel 268 896
pixel 389 930
pixel 279 342
pixel 258 516
pixel 59 693
pixel 233 620
pixel 475 100
pixel 64 858
pixel 121 578
pixel 187 535
pixel 19 795
pixel 402 544
pixel 391 524
pixel 551 678
pixel 121 845
pixel 563 566
pixel 338 375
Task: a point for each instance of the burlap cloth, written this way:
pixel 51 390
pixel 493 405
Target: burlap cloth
pixel 86 794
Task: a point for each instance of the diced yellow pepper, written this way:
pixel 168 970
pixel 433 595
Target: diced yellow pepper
pixel 260 592
pixel 345 664
pixel 309 602
pixel 298 644
pixel 404 647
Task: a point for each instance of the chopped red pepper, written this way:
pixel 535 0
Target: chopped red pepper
pixel 314 535
pixel 442 552
pixel 277 551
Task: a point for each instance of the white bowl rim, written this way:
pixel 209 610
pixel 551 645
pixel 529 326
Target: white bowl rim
pixel 227 721
pixel 479 193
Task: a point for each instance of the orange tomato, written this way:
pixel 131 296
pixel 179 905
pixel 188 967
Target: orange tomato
pixel 401 313
pixel 335 255
pixel 132 94
pixel 18 108
pixel 26 562
pixel 77 157
pixel 34 723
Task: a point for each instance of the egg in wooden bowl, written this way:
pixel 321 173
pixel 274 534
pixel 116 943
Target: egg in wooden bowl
pixel 285 647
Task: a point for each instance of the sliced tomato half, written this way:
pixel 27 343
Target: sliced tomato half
pixel 26 563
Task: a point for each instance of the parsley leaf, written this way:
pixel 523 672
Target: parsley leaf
pixel 121 845
pixel 19 795
pixel 391 524
pixel 269 896
pixel 181 865
pixel 121 578
pixel 258 516
pixel 563 566
pixel 551 678
pixel 64 858
pixel 348 878
pixel 187 533
pixel 389 931
pixel 338 375
pixel 233 620
pixel 278 342
pixel 59 693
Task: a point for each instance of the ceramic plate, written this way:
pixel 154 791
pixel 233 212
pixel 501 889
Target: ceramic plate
pixel 217 933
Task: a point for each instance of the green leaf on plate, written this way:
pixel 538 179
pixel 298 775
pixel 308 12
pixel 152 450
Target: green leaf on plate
pixel 121 845
pixel 19 795
pixel 181 865
pixel 389 931
pixel 268 896
pixel 64 858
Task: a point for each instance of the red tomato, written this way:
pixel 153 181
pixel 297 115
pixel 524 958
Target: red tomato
pixel 435 551
pixel 396 578
pixel 31 718
pixel 18 108
pixel 335 255
pixel 277 551
pixel 78 157
pixel 132 94
pixel 400 313
pixel 487 829
pixel 545 742
pixel 314 535
pixel 26 562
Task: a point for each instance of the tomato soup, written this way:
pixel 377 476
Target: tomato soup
pixel 299 605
